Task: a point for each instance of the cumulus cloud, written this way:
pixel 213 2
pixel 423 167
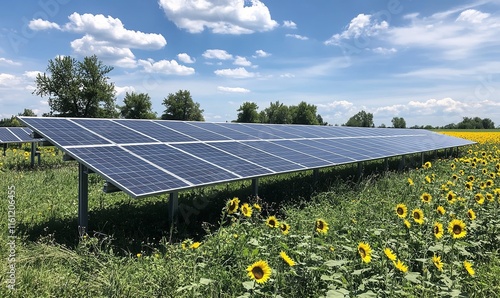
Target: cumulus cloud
pixel 221 17
pixel 289 24
pixel 237 73
pixel 430 106
pixel 9 62
pixel 287 75
pixel 261 54
pixel 233 89
pixel 242 61
pixel 337 104
pixel 8 79
pixel 122 90
pixel 297 36
pixel 165 67
pixel 361 25
pixel 217 54
pixel 183 57
pixel 472 16
pixel 32 74
pixel 384 51
pixel 39 24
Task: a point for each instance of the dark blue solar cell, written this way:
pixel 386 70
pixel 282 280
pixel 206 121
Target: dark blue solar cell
pixel 155 130
pixel 311 147
pixel 275 148
pixel 22 133
pixel 263 159
pixel 195 132
pixel 225 130
pixel 259 131
pixel 6 136
pixel 63 132
pixel 126 171
pixel 366 146
pixel 233 163
pixel 190 168
pixel 113 131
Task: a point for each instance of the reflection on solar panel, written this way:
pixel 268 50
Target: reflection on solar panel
pixel 16 135
pixel 148 157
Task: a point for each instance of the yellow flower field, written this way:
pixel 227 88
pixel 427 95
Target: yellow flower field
pixel 476 136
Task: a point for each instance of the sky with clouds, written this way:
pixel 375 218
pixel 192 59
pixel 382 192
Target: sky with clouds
pixel 430 62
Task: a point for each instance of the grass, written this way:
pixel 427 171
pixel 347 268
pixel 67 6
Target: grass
pixel 132 252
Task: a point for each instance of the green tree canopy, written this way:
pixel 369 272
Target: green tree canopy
pixel 305 113
pixel 361 119
pixel 278 113
pixel 475 123
pixel 247 113
pixel 28 113
pixel 180 106
pixel 78 88
pixel 137 106
pixel 398 122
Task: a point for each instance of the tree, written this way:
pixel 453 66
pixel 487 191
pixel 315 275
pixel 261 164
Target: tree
pixel 361 119
pixel 398 122
pixel 77 88
pixel 304 113
pixel 180 106
pixel 137 106
pixel 27 113
pixel 278 113
pixel 248 113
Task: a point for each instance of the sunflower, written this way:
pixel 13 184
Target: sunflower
pixel 287 259
pixel 484 171
pixel 259 271
pixel 401 210
pixel 365 251
pixel 493 175
pixel 418 216
pixel 461 172
pixel 427 165
pixel 490 197
pixel 321 226
pixel 410 182
pixel 440 210
pixel 407 224
pixel 195 245
pixel 451 197
pixel 257 207
pixel 185 244
pixel 426 197
pixel 246 210
pixel 479 198
pixel 471 214
pixel 457 229
pixel 470 178
pixel 390 254
pixel 232 205
pixel 285 228
pixel 454 177
pixel 272 222
pixel 437 229
pixel 453 166
pixel 469 185
pixel 482 185
pixel 400 266
pixel 489 183
pixel 428 179
pixel 437 262
pixel 468 267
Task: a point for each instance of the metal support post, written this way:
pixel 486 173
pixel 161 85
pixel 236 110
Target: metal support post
pixel 255 187
pixel 386 164
pixel 173 206
pixel 360 169
pixel 315 175
pixel 422 159
pixel 83 199
pixel 33 153
pixel 4 148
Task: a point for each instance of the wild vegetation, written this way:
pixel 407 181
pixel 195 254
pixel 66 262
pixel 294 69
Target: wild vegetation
pixel 430 231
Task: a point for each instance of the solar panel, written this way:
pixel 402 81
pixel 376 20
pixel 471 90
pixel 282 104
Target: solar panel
pixel 16 135
pixel 148 157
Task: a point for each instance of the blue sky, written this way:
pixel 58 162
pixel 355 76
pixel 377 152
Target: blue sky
pixel 430 62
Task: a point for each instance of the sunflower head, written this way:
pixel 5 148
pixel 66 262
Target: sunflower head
pixel 390 254
pixel 468 268
pixel 259 271
pixel 285 228
pixel 321 226
pixel 479 198
pixel 400 266
pixel 457 229
pixel 407 224
pixel 436 260
pixel 401 210
pixel 365 252
pixel 246 210
pixel 427 165
pixel 471 214
pixel 232 205
pixel 195 245
pixel 440 210
pixel 287 259
pixel 257 207
pixel 451 197
pixel 272 222
pixel 410 182
pixel 437 229
pixel 426 197
pixel 418 216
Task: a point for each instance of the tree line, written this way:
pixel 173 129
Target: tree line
pixel 82 89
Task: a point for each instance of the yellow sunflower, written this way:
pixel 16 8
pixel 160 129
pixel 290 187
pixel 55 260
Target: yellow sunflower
pixel 479 198
pixel 285 228
pixel 272 222
pixel 470 178
pixel 390 254
pixel 365 251
pixel 259 271
pixel 400 266
pixel 471 214
pixel 454 177
pixel 490 197
pixel 418 216
pixel 489 183
pixel 428 179
pixel 426 197
pixel 457 229
pixel 257 207
pixel 453 166
pixel 427 165
pixel 451 197
pixel 440 210
pixel 407 224
pixel 195 245
pixel 401 210
pixel 437 229
pixel 321 226
pixel 437 262
pixel 232 205
pixel 410 182
pixel 287 259
pixel 468 267
pixel 246 210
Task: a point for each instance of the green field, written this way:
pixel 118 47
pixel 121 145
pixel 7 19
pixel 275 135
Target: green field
pixel 132 251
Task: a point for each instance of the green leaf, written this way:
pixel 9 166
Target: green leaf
pixel 413 277
pixel 359 271
pixel 368 294
pixel 248 285
pixel 253 242
pixel 326 277
pixel 335 263
pixel 205 281
pixel 339 293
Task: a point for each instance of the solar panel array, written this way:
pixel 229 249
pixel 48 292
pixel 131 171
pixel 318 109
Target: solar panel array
pixel 149 157
pixel 16 135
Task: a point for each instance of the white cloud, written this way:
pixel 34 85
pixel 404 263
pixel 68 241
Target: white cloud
pixel 336 105
pixel 361 25
pixel 32 74
pixel 183 57
pixel 119 56
pixel 165 67
pixel 39 24
pixel 8 79
pixel 9 62
pixel 222 16
pixel 384 51
pixel 287 75
pixel 261 53
pixel 300 37
pixel 432 106
pixel 392 110
pixel 217 54
pixel 242 61
pixel 289 24
pixel 122 90
pixel 237 73
pixel 472 16
pixel 233 89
